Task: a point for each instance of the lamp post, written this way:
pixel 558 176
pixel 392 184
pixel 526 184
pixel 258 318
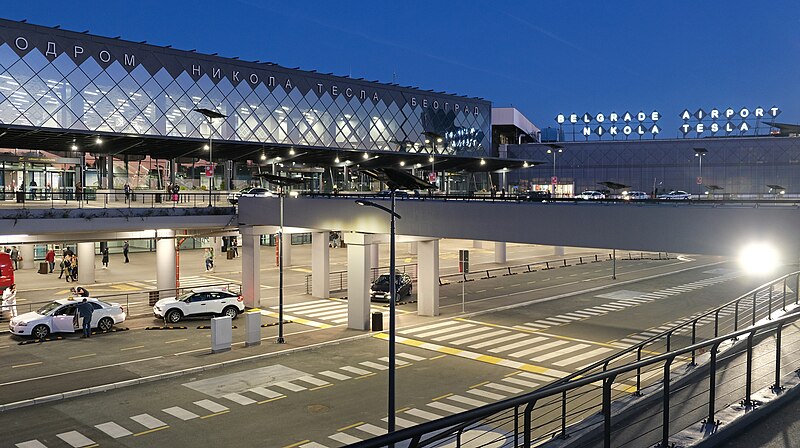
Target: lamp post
pixel 432 138
pixel 210 116
pixel 392 301
pixel 553 151
pixel 700 153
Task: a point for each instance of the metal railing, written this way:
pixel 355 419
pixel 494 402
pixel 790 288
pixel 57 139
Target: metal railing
pixel 114 199
pixel 338 279
pixel 605 405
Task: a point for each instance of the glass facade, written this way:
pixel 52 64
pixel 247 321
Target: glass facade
pixel 76 82
pixel 740 167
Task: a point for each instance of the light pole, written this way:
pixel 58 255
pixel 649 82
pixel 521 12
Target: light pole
pixel 700 153
pixel 432 138
pixel 392 301
pixel 553 151
pixel 210 116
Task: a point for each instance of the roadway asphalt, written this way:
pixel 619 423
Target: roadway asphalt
pixel 334 394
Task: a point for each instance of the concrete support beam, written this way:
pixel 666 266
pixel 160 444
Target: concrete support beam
pixel 251 266
pixel 320 265
pixel 358 281
pixel 499 252
pixel 412 248
pixel 428 278
pixel 165 262
pixel 85 263
pixel 26 252
pixel 477 244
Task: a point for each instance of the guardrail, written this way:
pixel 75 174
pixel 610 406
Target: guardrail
pixel 115 199
pixel 338 279
pixel 590 408
pixel 136 303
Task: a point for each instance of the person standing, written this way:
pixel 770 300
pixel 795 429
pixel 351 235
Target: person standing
pixel 209 257
pixel 125 248
pixel 85 310
pixel 74 268
pixel 10 300
pixel 127 193
pixel 50 258
pixel 104 251
pixel 15 257
pixel 64 263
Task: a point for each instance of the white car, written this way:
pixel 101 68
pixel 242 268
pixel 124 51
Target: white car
pixel 591 195
pixel 633 195
pixel 58 316
pixel 675 194
pixel 250 192
pixel 199 302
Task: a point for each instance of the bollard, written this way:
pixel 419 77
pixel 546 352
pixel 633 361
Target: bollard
pixel 221 334
pixel 252 328
pixel 377 321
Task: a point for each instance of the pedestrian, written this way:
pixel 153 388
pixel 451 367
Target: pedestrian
pixel 10 300
pixel 78 191
pixel 209 257
pixel 64 263
pixel 127 192
pixel 85 310
pixel 79 291
pixel 125 248
pixel 175 191
pixel 50 258
pixel 74 268
pixel 15 257
pixel 235 247
pixel 104 252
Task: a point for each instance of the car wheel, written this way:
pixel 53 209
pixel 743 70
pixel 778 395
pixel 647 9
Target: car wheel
pixel 40 331
pixel 105 324
pixel 231 312
pixel 173 316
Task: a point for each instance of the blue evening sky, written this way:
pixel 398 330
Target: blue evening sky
pixel 543 57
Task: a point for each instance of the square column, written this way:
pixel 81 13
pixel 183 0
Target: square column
pixel 85 263
pixel 358 281
pixel 286 244
pixel 428 278
pixel 320 265
pixel 166 267
pixel 26 252
pixel 499 252
pixel 251 266
pixel 375 255
pixel 412 248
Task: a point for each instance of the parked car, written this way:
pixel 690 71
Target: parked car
pixel 379 291
pixel 675 194
pixel 534 195
pixel 589 195
pixel 634 195
pixel 58 316
pixel 199 302
pixel 250 192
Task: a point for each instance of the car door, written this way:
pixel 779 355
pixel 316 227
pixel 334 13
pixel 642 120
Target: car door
pixel 196 305
pixel 64 319
pixel 217 302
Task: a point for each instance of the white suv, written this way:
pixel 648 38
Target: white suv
pixel 199 302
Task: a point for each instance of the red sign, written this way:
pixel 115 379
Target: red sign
pixel 554 180
pixel 699 180
pixel 209 171
pixel 431 177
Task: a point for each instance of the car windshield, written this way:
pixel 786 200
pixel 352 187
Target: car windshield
pixel 184 297
pixel 48 308
pixel 382 280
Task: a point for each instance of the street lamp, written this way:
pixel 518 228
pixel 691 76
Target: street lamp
pixel 210 116
pixel 392 302
pixel 432 138
pixel 553 151
pixel 700 153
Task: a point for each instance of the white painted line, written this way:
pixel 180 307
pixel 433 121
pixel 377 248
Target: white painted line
pixel 302 305
pixel 31 444
pixel 519 344
pixel 346 439
pixel 374 365
pixel 334 375
pixel 355 370
pixel 211 406
pixel 75 439
pixel 315 381
pixel 411 357
pixel 264 392
pixel 535 376
pixel 558 353
pixel 289 386
pixel 401 422
pixel 532 324
pixel 180 413
pixel 560 319
pixel 446 407
pixel 521 382
pixel 582 357
pixel 503 387
pixel 479 337
pixel 148 421
pixel 399 362
pixel 425 415
pixel 485 394
pixel 371 429
pixel 538 348
pixel 113 430
pixel 467 400
pixel 443 330
pixel 461 333
pixel 500 340
pixel 426 327
pixel 313 445
pixel 240 399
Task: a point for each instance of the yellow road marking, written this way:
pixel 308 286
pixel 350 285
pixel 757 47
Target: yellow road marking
pixel 131 348
pixel 511 374
pixel 436 357
pixel 83 356
pixel 152 430
pixel 443 396
pixel 364 376
pixel 403 366
pixel 350 427
pixel 26 365
pixel 125 287
pixel 176 340
pixel 302 442
pixel 403 409
pixel 304 270
pixel 479 384
pixel 215 414
pixel 321 387
pixel 271 399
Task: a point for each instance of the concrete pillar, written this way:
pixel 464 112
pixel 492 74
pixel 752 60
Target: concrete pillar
pixel 251 266
pixel 216 244
pixel 558 250
pixel 499 252
pixel 287 249
pixel 165 262
pixel 26 252
pixel 85 263
pixel 375 255
pixel 412 248
pixel 358 281
pixel 477 244
pixel 109 171
pixel 320 265
pixel 428 278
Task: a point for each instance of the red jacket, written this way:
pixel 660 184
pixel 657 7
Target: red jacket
pixel 50 257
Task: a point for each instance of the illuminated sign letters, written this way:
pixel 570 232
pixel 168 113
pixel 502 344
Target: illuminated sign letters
pixel 728 121
pixel 613 124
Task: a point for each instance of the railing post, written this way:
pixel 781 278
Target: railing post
pixel 712 384
pixel 527 440
pixel 736 316
pixel 716 323
pixel 694 334
pixel 797 291
pixel 607 383
pixel 784 294
pixel 769 310
pixel 754 309
pixel 564 415
pixel 669 340
pixel 777 386
pixel 638 372
pixel 749 373
pixel 516 425
pixel 665 405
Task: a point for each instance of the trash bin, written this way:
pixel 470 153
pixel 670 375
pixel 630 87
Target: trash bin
pixel 43 267
pixel 153 297
pixel 377 321
pixel 230 254
pixel 158 198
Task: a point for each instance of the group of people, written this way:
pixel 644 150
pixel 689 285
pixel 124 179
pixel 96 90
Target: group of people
pixel 69 265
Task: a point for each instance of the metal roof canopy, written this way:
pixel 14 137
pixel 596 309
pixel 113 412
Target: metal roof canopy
pixel 178 147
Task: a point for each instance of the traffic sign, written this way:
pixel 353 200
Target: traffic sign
pixel 699 180
pixel 209 171
pixel 554 180
pixel 463 261
pixel 431 177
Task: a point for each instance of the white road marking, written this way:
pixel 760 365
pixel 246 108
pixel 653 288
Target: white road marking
pixel 346 439
pixel 480 337
pixel 411 357
pixel 401 422
pixel 264 392
pixel 486 394
pixel 238 398
pixel 504 388
pixel 31 444
pixel 518 344
pixel 467 400
pixel 371 429
pixel 443 330
pixel 521 382
pixel 426 327
pixel 148 421
pixel 180 413
pixel 425 415
pixel 315 381
pixel 113 430
pixel 374 365
pixel 75 439
pixel 289 386
pixel 211 406
pixel 499 340
pixel 446 407
pixel 355 370
pixel 561 352
pixel 336 376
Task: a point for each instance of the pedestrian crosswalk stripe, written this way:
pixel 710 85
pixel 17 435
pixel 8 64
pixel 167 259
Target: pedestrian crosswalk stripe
pixel 355 370
pixel 312 445
pixel 347 439
pixel 240 399
pixel 148 421
pixel 113 430
pixel 401 422
pixel 517 344
pixel 289 386
pixel 443 330
pixel 460 334
pixel 480 336
pixel 527 351
pixel 180 413
pixel 31 444
pixel 371 429
pixel 510 337
pixel 264 392
pixel 426 327
pixel 583 356
pixel 298 320
pixel 310 304
pixel 411 357
pixel 446 407
pixel 423 414
pixel 334 313
pixel 521 382
pixel 373 365
pixel 548 346
pixel 211 406
pixel 75 439
pixel 536 376
pixel 503 387
pixel 486 394
pixel 311 380
pixel 399 362
pixel 334 375
pixel 557 353
pixel 466 400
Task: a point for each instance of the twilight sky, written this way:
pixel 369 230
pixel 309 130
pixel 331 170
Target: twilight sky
pixel 543 57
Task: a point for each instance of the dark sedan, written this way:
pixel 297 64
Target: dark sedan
pixel 379 291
